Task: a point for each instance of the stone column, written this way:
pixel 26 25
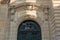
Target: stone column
pixel 4 19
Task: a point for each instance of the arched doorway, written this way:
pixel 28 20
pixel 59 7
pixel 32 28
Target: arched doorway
pixel 29 30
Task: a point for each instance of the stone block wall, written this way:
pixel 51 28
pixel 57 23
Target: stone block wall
pixel 55 20
pixel 3 21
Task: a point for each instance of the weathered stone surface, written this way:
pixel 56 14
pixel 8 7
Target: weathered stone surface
pixel 3 20
pixel 49 19
pixel 56 27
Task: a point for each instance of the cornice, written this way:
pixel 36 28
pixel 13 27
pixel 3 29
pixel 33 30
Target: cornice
pixel 25 4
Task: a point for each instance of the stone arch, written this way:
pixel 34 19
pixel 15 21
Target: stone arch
pixel 14 28
pixel 25 17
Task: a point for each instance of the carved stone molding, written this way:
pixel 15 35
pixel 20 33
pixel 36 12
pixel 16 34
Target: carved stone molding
pixel 5 1
pixel 32 5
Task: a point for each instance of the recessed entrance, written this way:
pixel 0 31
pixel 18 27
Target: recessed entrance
pixel 29 30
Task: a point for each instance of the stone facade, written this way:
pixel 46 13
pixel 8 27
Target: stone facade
pixel 45 12
pixel 55 23
pixel 3 21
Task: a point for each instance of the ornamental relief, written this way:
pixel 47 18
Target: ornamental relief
pixel 31 10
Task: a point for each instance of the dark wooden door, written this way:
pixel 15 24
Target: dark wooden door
pixel 29 30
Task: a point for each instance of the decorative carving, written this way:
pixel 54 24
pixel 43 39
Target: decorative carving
pixel 29 16
pixel 29 6
pixel 46 13
pixel 4 1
